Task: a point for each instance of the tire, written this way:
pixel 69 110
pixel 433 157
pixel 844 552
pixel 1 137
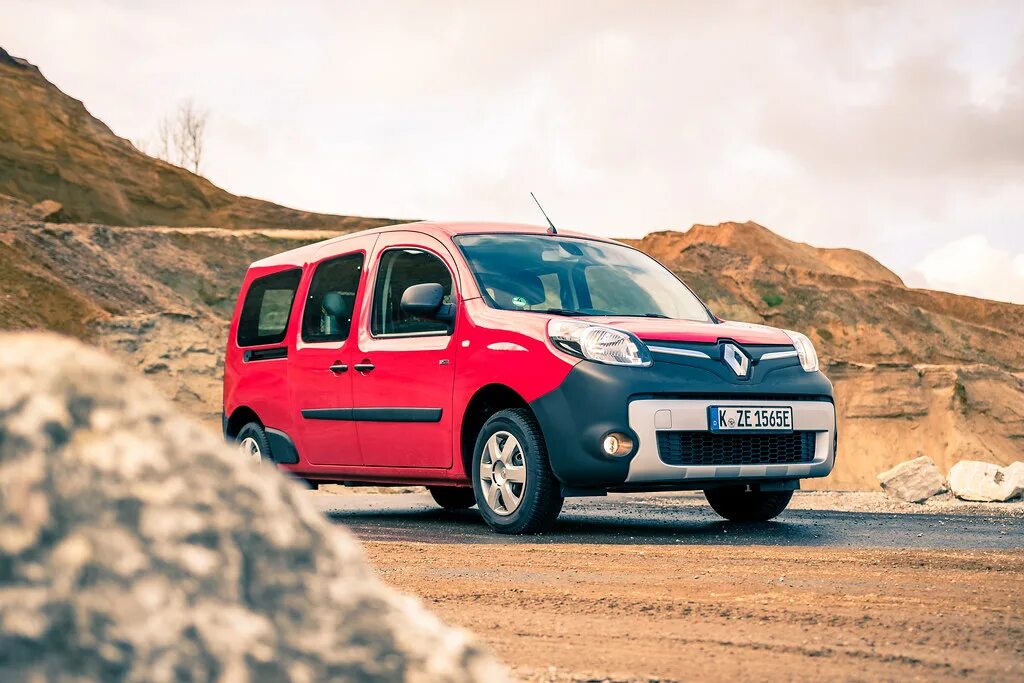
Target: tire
pixel 452 497
pixel 539 498
pixel 252 436
pixel 737 504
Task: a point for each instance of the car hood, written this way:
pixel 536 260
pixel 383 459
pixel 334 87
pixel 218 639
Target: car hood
pixel 658 329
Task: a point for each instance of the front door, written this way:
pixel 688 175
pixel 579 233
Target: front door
pixel 320 372
pixel 404 367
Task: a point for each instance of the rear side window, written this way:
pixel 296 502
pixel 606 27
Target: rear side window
pixel 332 296
pixel 268 304
pixel 399 270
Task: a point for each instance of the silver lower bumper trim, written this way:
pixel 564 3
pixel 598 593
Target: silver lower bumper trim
pixel 647 417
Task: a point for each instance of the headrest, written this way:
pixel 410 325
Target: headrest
pixel 335 305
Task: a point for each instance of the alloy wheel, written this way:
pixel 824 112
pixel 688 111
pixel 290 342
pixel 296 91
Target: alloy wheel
pixel 250 450
pixel 503 473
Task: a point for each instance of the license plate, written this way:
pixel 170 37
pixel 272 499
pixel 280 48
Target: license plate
pixel 750 419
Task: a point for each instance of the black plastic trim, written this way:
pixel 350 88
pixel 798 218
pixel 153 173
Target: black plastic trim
pixel 274 353
pixel 282 448
pixel 374 414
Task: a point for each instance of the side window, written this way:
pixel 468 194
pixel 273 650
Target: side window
pixel 332 296
pixel 267 306
pixel 400 269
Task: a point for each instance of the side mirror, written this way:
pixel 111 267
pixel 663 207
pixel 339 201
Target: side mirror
pixel 427 301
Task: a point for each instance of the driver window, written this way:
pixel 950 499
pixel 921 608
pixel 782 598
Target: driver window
pixel 400 269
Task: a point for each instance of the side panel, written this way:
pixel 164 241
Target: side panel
pixel 314 389
pixel 255 377
pixel 403 404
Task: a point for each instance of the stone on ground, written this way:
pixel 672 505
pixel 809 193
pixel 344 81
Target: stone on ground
pixel 136 546
pixel 914 481
pixel 985 482
pixel 1015 474
pixel 49 211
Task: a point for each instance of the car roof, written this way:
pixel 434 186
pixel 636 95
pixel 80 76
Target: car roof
pixel 304 254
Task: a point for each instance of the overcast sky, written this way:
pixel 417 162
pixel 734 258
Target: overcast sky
pixel 872 125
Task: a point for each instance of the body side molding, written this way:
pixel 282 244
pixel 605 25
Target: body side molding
pixel 374 414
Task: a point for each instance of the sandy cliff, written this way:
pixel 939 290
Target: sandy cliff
pixel 916 372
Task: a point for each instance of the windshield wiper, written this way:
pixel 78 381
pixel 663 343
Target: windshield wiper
pixel 644 315
pixel 558 311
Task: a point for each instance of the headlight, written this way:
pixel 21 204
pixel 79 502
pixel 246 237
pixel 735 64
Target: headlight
pixel 805 351
pixel 598 343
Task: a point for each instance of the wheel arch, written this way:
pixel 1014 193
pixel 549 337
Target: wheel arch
pixel 241 416
pixel 487 401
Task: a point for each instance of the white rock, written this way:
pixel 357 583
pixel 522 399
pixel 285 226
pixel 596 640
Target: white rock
pixel 1015 473
pixel 985 482
pixel 914 481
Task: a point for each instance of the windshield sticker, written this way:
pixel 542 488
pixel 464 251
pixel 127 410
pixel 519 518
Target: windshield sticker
pixel 519 302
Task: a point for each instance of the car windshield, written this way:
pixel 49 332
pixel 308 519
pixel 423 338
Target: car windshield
pixel 570 276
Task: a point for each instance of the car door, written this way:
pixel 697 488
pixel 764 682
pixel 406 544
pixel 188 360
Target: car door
pixel 320 374
pixel 405 366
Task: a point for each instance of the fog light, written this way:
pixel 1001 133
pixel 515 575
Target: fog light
pixel 616 444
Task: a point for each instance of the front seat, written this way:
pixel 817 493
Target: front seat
pixel 336 313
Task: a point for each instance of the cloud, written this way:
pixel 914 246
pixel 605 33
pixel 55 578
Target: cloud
pixel 869 125
pixel 972 265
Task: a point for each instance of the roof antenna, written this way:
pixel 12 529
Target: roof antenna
pixel 551 230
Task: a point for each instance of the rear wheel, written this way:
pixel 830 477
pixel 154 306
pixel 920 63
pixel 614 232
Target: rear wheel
pixel 512 479
pixel 453 498
pixel 737 504
pixel 253 444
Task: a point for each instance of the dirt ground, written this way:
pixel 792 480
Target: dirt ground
pixel 668 613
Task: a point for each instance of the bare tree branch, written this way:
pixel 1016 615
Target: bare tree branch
pixel 163 139
pixel 180 137
pixel 191 129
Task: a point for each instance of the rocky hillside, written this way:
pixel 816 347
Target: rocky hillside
pixel 916 372
pixel 159 296
pixel 51 147
pixel 851 306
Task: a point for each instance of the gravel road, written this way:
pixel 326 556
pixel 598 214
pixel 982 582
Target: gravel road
pixel 656 588
pixel 837 520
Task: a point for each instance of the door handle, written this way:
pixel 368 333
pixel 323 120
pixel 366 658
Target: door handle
pixel 364 367
pixel 338 368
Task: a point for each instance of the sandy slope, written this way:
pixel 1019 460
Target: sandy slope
pixel 916 372
pixel 161 296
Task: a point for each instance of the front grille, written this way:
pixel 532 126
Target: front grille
pixel 707 448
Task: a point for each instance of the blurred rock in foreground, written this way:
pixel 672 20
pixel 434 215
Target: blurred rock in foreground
pixel 135 546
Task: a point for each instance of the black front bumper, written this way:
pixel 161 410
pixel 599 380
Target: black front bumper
pixel 594 400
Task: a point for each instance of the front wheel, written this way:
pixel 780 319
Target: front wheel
pixel 512 479
pixel 737 504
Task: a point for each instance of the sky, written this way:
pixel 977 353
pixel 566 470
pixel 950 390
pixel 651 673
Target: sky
pixel 894 128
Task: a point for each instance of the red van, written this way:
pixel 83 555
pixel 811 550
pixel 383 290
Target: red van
pixel 508 367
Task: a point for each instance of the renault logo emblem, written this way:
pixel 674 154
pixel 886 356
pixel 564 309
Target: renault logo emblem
pixel 735 359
